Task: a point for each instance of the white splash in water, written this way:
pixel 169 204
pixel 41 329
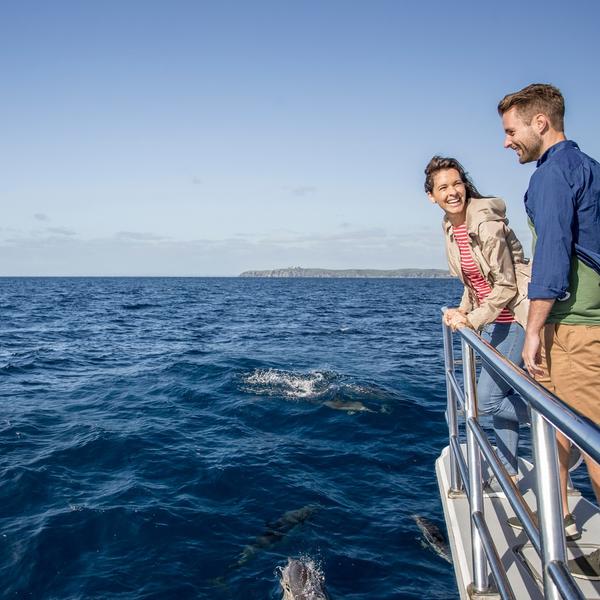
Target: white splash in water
pixel 273 382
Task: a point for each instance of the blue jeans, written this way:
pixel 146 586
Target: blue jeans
pixel 496 398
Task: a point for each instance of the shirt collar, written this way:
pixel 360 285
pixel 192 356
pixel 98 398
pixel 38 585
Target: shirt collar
pixel 556 148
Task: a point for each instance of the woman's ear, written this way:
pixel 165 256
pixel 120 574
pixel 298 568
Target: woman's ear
pixel 431 198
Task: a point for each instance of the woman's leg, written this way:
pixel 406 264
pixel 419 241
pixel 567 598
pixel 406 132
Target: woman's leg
pixel 498 399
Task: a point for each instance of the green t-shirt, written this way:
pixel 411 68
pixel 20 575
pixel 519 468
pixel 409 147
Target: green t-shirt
pixel 583 305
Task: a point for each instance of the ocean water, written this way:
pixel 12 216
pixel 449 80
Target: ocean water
pixel 181 438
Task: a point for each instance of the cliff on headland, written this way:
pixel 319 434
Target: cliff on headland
pixel 361 273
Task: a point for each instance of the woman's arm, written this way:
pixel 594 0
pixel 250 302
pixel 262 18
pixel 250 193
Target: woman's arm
pixel 466 304
pixel 502 279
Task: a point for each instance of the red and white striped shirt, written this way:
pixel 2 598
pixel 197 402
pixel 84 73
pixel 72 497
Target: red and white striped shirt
pixel 472 273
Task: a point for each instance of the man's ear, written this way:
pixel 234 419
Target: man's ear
pixel 541 123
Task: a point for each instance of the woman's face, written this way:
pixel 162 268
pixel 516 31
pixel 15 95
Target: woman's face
pixel 450 194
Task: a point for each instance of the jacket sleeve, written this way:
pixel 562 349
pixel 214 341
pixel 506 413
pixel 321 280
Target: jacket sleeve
pixel 466 305
pixel 501 277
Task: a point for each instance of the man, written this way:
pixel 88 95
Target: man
pixel 563 206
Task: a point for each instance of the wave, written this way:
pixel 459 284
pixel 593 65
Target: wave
pixel 21 362
pixel 10 368
pixel 139 306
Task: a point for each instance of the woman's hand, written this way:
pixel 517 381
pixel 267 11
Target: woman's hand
pixel 458 320
pixel 450 312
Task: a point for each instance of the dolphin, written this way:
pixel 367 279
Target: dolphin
pixel 350 407
pixel 301 580
pixel 433 538
pixel 275 532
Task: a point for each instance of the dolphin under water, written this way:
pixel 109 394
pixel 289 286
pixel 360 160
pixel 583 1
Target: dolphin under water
pixel 433 538
pixel 301 580
pixel 275 532
pixel 351 407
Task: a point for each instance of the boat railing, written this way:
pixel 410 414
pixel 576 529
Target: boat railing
pixel 548 415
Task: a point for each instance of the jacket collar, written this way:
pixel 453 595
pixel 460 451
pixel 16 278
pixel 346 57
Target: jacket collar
pixel 447 226
pixel 480 210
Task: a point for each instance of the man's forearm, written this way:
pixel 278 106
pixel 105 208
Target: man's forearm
pixel 538 313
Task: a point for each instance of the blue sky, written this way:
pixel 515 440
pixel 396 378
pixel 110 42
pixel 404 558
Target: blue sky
pixel 207 138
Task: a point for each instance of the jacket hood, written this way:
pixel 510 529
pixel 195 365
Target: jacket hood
pixel 481 210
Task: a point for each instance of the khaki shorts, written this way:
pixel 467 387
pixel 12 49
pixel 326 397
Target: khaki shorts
pixel 572 354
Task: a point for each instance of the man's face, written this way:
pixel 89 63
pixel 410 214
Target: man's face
pixel 521 137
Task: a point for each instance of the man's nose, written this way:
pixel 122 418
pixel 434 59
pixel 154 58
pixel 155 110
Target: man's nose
pixel 507 141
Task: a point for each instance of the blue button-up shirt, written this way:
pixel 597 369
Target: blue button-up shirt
pixel 563 203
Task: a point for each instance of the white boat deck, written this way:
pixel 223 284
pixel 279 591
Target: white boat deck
pixel 518 556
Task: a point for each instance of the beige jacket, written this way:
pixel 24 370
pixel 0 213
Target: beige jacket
pixel 499 255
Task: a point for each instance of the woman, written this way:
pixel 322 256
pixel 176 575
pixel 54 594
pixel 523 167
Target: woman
pixel 484 253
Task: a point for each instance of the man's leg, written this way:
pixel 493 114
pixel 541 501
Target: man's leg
pixel 563 443
pixel 575 367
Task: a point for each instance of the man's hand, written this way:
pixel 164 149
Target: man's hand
pixel 531 354
pixel 538 313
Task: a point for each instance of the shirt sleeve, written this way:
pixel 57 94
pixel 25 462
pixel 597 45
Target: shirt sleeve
pixel 551 202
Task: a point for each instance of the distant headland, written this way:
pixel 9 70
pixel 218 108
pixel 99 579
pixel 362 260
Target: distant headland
pixel 356 273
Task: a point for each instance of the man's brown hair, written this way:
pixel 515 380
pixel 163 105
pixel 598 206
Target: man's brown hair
pixel 534 99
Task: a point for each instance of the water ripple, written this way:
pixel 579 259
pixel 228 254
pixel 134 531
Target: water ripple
pixel 152 429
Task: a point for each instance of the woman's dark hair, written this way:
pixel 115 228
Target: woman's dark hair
pixel 441 163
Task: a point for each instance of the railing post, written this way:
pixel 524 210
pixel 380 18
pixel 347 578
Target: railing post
pixel 455 482
pixel 550 516
pixel 480 571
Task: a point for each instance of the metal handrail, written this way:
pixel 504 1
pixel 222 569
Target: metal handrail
pixel 564 581
pixel 548 413
pixel 512 493
pixel 583 432
pixel 498 571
